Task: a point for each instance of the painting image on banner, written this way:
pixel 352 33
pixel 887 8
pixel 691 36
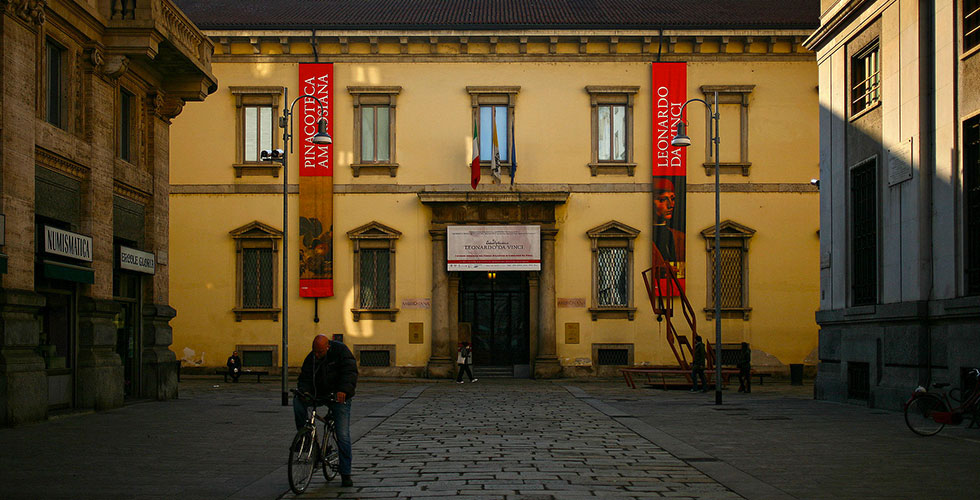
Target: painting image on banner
pixel 315 182
pixel 669 173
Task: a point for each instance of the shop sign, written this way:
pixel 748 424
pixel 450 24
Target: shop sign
pixel 137 260
pixel 67 244
pixel 493 248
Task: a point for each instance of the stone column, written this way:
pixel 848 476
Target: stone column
pixel 23 380
pixel 100 372
pixel 533 314
pixel 159 362
pixel 440 361
pixel 546 363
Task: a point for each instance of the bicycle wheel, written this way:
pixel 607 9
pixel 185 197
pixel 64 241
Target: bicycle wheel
pixel 304 454
pixel 919 414
pixel 331 459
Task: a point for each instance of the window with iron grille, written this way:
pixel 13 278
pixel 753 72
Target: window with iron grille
pixel 971 191
pixel 734 278
pixel 858 380
pixel 971 24
pixel 864 233
pixel 375 278
pixel 257 271
pixel 865 78
pixel 612 270
pixel 375 358
pixel 374 270
pixel 613 357
pixel 257 278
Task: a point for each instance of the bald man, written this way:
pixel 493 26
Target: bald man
pixel 329 368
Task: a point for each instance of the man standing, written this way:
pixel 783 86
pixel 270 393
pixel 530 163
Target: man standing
pixel 667 240
pixel 234 366
pixel 697 366
pixel 329 368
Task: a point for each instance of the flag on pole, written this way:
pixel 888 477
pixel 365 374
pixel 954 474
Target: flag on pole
pixel 475 164
pixel 513 159
pixel 495 160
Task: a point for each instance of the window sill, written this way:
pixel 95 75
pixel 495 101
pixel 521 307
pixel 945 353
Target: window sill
pixel 859 114
pixel 613 313
pixel 270 168
pixel 375 314
pixel 380 168
pixel 728 168
pixel 612 168
pixel 256 313
pixel 729 313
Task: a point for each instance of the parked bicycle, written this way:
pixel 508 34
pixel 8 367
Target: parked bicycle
pixel 927 412
pixel 314 447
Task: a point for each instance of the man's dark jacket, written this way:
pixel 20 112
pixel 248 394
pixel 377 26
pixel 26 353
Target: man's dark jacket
pixel 336 372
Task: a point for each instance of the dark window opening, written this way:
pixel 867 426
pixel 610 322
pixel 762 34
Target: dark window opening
pixel 864 233
pixel 256 358
pixel 54 88
pixel 616 357
pixel 865 78
pixel 126 125
pixel 375 358
pixel 971 24
pixel 971 188
pixel 858 381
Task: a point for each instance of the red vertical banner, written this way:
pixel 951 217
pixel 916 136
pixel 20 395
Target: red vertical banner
pixel 315 182
pixel 669 174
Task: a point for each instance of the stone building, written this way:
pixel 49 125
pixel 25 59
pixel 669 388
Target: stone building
pixel 89 91
pixel 570 90
pixel 899 206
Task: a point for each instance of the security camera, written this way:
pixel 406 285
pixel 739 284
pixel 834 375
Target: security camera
pixel 271 154
pixel 815 182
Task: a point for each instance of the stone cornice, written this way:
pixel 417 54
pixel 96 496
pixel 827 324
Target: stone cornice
pixel 832 20
pixel 60 164
pixel 458 190
pixel 131 193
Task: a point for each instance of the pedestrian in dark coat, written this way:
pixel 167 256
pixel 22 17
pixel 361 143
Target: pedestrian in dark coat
pixel 745 368
pixel 697 366
pixel 464 358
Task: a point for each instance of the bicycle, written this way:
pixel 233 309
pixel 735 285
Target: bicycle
pixel 308 452
pixel 927 412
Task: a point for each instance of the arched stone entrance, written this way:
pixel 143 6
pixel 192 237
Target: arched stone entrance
pixel 485 208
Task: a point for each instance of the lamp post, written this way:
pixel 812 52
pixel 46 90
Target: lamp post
pixel 682 140
pixel 321 138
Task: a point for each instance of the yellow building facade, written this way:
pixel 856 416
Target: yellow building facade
pixel 392 211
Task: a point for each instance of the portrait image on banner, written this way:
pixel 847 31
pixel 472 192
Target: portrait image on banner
pixel 315 182
pixel 669 173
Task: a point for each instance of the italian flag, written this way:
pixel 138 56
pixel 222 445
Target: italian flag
pixel 475 164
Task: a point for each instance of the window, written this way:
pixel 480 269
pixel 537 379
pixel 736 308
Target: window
pixel 734 282
pixel 374 356
pixel 733 112
pixel 971 24
pixel 612 129
pixel 493 111
pixel 864 233
pixel 257 110
pixel 127 107
pixel 612 270
pixel 608 358
pixel 374 270
pixel 258 355
pixel 865 79
pixel 54 88
pixel 971 189
pixel 374 130
pixel 256 249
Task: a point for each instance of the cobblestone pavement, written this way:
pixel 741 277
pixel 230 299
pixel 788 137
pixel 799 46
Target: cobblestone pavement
pixel 511 439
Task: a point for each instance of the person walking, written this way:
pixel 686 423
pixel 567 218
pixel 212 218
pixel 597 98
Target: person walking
pixel 697 366
pixel 464 358
pixel 745 368
pixel 234 366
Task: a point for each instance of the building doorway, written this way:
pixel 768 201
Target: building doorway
pixel 57 343
pixel 496 306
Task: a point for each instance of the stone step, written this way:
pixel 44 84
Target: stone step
pixel 492 371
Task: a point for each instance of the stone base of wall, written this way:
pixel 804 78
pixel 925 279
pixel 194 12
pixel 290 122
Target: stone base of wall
pixel 23 379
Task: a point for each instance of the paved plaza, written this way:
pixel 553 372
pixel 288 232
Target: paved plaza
pixel 497 438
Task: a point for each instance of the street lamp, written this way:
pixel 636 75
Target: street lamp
pixel 321 138
pixel 682 140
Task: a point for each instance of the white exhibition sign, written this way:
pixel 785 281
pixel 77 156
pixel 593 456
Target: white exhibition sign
pixel 137 260
pixel 67 244
pixel 493 248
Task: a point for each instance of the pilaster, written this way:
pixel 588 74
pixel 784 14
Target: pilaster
pixel 23 380
pixel 160 364
pixel 100 372
pixel 440 361
pixel 546 363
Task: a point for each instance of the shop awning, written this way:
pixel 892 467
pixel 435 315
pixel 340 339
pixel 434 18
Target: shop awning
pixel 68 272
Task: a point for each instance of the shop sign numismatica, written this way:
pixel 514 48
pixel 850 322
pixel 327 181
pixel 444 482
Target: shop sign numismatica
pixel 315 182
pixel 67 244
pixel 493 248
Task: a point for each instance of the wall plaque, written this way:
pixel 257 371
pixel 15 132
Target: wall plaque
pixel 571 333
pixel 415 333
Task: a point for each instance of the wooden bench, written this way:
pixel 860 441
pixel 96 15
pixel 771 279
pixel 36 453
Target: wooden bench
pixel 726 374
pixel 258 374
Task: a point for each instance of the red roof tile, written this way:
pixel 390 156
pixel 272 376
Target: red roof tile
pixel 502 14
